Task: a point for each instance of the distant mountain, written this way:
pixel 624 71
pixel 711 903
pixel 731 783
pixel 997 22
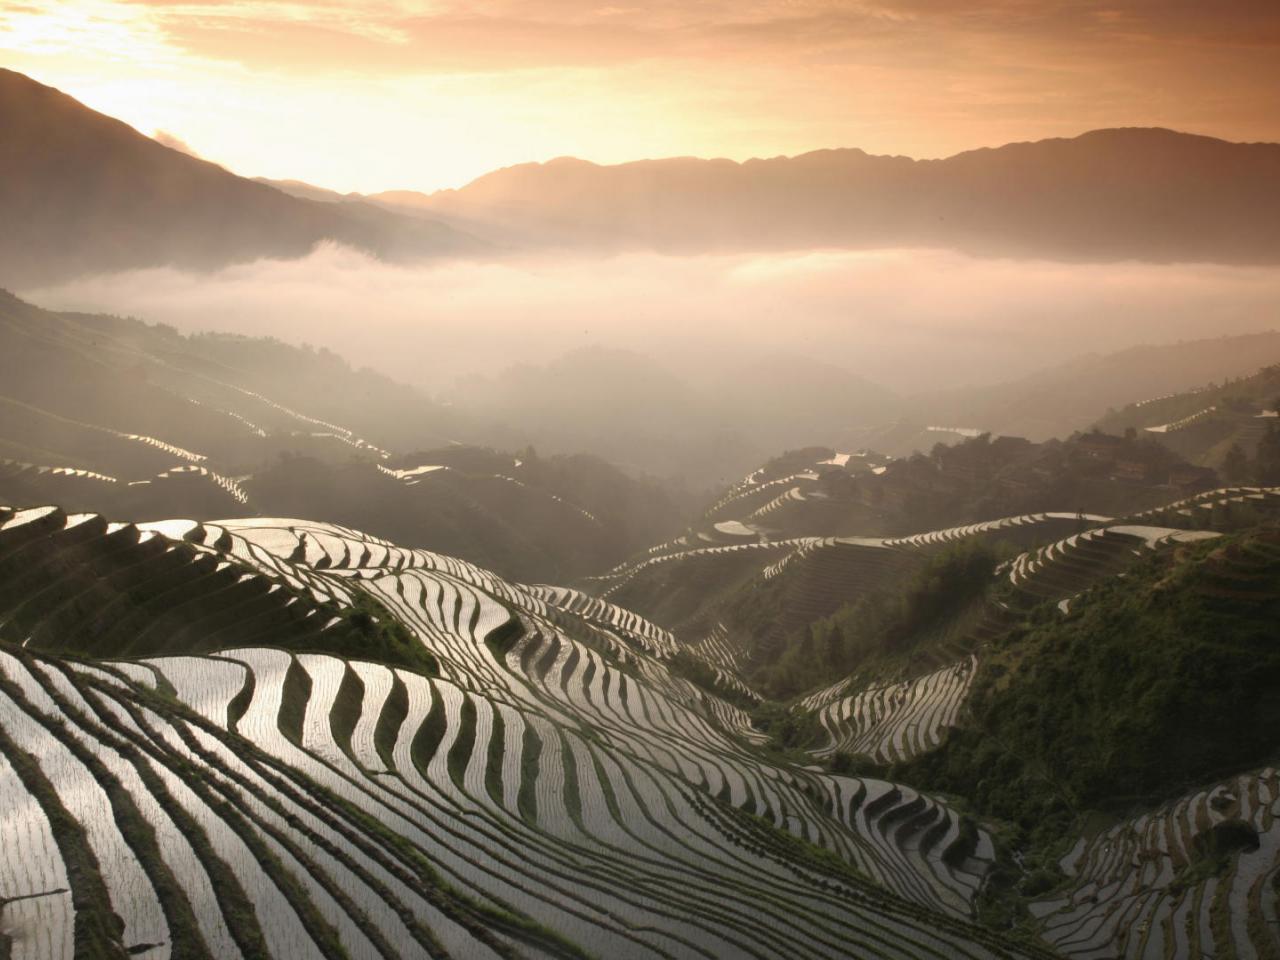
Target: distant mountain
pixel 81 192
pixel 90 193
pixel 1133 193
pixel 306 191
pixel 1061 400
pixel 707 427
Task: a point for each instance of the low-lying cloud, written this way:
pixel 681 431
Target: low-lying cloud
pixel 911 320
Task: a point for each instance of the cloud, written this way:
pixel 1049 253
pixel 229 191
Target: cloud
pixel 504 34
pixel 167 139
pixel 913 320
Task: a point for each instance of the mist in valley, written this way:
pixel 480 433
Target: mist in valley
pixel 911 320
pixel 668 363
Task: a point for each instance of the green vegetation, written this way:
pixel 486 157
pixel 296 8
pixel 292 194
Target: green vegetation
pixel 701 674
pixel 389 722
pixel 1262 468
pixel 788 730
pixel 1213 850
pixel 293 704
pixel 1155 683
pixel 375 634
pixel 883 624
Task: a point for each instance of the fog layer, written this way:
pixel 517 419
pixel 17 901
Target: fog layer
pixel 910 320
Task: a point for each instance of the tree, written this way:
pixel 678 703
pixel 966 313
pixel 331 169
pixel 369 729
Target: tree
pixel 1267 466
pixel 807 646
pixel 1235 468
pixel 835 648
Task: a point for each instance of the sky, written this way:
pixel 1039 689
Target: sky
pixel 427 94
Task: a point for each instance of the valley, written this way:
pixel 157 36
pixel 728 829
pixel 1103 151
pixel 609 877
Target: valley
pixel 766 481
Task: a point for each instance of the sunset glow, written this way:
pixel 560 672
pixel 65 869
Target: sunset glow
pixel 376 96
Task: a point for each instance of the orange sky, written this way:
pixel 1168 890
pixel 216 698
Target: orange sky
pixel 421 95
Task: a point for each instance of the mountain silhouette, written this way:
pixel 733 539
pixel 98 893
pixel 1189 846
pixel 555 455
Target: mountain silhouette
pixel 81 192
pixel 1133 193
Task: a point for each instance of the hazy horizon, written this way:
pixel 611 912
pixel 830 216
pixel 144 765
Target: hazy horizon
pixel 977 320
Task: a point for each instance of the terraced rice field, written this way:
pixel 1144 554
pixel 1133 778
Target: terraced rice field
pixel 1065 568
pixel 1199 509
pixel 328 429
pixel 750 495
pixel 1021 529
pixel 1184 422
pixel 18 467
pixel 617 582
pixel 228 484
pixel 1135 890
pixel 894 722
pixel 541 796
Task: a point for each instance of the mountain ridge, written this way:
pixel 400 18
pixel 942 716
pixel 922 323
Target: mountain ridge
pixel 91 194
pixel 1144 193
pixel 88 193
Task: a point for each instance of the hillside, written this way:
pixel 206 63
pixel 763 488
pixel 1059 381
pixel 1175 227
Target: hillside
pixel 1061 400
pixel 1095 690
pixel 1146 194
pixel 548 789
pixel 313 740
pixel 1228 424
pixel 81 192
pixel 113 415
pixel 1130 745
pixel 979 478
pixel 813 530
pixel 1148 687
